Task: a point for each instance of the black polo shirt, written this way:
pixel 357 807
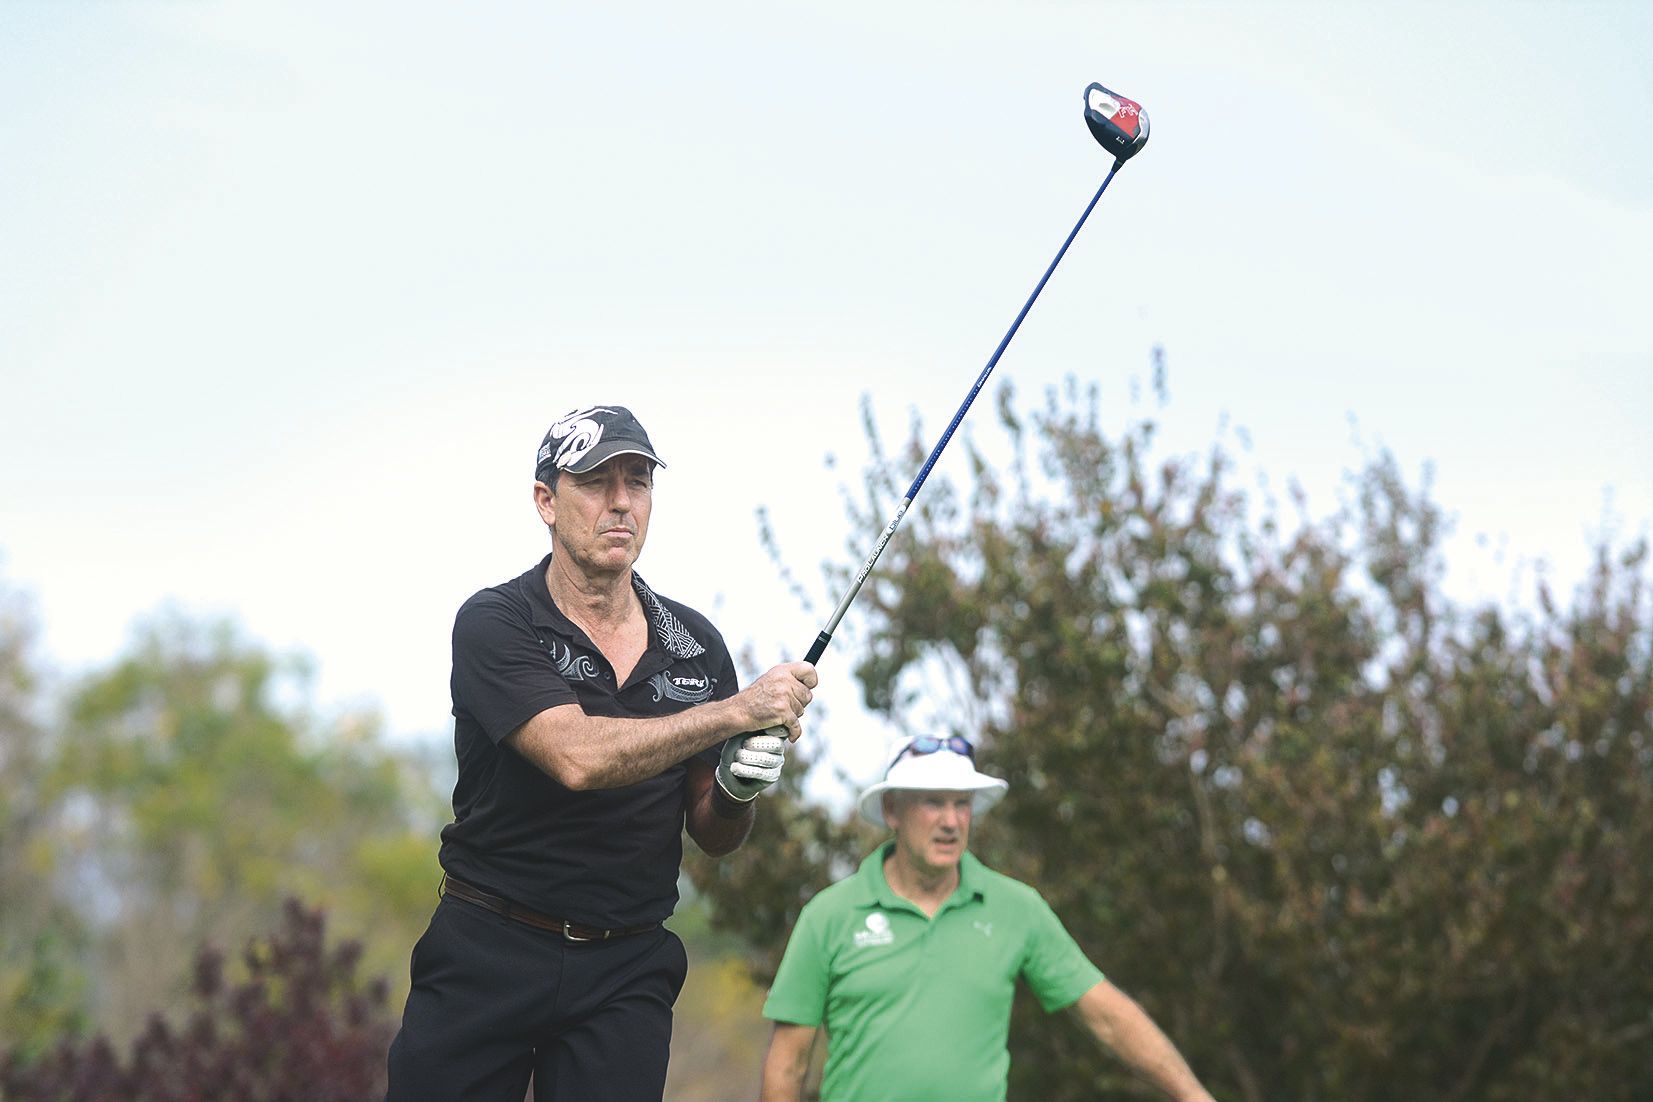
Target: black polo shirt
pixel 602 858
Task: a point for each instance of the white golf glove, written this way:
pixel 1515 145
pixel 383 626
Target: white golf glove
pixel 750 764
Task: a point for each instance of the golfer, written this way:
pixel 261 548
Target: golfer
pixel 588 715
pixel 910 963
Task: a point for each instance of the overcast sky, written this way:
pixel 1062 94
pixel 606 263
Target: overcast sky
pixel 290 291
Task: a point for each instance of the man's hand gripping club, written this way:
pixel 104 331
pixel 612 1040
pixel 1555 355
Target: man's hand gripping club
pixel 751 763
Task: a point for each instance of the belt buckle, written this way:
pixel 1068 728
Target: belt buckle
pixel 569 935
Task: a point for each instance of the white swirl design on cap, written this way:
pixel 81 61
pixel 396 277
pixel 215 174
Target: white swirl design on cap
pixel 581 431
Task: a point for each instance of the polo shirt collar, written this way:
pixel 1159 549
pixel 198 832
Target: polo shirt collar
pixel 668 629
pixel 875 891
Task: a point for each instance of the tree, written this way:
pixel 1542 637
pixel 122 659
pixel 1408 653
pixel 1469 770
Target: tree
pixel 40 992
pixel 190 791
pixel 1343 838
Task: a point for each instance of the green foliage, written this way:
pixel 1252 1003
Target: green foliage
pixel 41 989
pixel 1342 838
pixel 183 795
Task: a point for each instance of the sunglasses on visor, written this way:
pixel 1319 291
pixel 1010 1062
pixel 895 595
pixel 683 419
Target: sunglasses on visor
pixel 929 744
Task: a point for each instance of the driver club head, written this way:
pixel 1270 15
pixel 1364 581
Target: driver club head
pixel 1118 124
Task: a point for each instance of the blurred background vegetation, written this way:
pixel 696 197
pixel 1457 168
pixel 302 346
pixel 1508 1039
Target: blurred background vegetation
pixel 1343 837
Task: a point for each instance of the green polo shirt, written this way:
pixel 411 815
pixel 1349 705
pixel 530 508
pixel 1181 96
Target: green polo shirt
pixel 917 1008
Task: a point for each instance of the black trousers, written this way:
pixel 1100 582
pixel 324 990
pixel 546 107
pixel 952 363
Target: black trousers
pixel 493 1001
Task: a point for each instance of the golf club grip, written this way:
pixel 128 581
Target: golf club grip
pixel 818 648
pixel 815 652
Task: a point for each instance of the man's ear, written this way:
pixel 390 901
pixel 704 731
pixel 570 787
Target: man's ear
pixel 545 500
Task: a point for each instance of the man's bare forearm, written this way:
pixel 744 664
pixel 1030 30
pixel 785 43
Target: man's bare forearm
pixel 717 823
pixel 589 752
pixel 1122 1025
pixel 786 1063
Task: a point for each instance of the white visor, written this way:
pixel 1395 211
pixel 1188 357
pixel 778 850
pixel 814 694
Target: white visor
pixel 941 771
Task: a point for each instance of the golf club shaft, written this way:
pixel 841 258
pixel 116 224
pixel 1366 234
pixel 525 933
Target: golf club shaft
pixel 820 645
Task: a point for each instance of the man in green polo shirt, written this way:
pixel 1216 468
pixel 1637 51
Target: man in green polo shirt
pixel 910 964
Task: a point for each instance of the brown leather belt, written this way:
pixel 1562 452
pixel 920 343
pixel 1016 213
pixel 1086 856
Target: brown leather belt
pixel 498 904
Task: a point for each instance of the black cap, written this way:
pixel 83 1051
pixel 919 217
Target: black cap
pixel 582 438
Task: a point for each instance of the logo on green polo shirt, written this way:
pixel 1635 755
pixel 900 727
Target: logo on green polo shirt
pixel 878 931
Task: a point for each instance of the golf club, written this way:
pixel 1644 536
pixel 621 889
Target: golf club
pixel 1120 126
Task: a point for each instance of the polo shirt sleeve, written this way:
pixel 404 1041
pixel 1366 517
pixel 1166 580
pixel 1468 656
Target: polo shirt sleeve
pixel 503 675
pixel 1055 967
pixel 799 993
